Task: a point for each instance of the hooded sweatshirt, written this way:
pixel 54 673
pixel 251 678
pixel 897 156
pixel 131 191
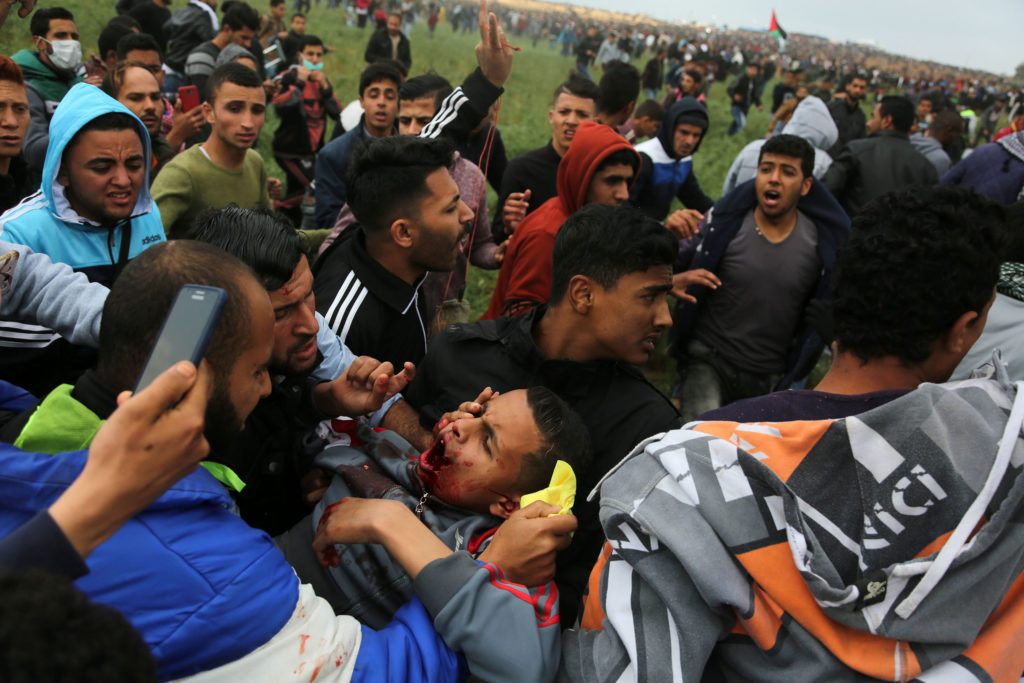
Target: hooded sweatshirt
pixel 882 546
pixel 525 277
pixel 46 223
pixel 45 87
pixel 811 121
pixel 663 176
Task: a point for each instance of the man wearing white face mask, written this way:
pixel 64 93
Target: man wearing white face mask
pixel 50 71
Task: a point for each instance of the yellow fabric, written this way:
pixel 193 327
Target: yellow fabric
pixel 561 491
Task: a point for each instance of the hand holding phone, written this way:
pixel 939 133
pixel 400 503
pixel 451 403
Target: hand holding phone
pixel 186 331
pixel 189 97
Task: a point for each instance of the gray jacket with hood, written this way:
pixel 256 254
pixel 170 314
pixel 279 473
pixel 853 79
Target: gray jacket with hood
pixel 882 546
pixel 811 121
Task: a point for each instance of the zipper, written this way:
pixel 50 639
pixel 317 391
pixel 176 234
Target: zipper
pixel 419 505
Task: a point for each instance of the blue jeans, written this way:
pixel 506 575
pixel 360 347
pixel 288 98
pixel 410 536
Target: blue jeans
pixel 582 68
pixel 739 120
pixel 650 93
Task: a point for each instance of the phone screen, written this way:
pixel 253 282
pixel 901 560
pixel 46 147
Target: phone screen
pixel 186 330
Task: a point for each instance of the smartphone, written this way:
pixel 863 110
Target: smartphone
pixel 8 262
pixel 189 97
pixel 186 331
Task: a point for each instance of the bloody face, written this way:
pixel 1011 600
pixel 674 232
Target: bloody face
pixel 475 462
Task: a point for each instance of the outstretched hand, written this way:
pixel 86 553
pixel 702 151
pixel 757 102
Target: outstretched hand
pixel 363 388
pixel 697 276
pixel 493 53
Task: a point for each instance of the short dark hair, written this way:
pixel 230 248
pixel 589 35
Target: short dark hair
pixel 790 146
pixel 232 72
pixel 114 120
pixel 850 78
pixel 939 247
pixel 240 16
pixel 297 15
pixel 137 41
pixel 42 613
pixel 39 24
pixel 426 85
pixel 264 241
pixel 900 109
pixel 309 39
pixel 620 156
pixel 606 242
pixel 652 109
pixel 387 177
pixel 142 295
pixel 275 3
pixel 577 85
pixel 696 75
pixel 934 99
pixel 947 119
pixel 110 36
pixel 619 86
pixel 378 71
pixel 564 436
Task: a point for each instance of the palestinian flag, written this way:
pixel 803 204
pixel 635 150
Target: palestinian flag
pixel 777 31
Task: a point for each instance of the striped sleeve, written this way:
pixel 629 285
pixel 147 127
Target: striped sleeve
pixel 345 305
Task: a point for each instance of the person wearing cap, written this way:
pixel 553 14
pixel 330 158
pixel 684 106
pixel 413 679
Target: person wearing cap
pixel 666 169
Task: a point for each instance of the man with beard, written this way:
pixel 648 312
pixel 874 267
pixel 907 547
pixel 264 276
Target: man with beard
pixel 313 374
pixel 411 220
pixel 771 243
pixel 846 112
pixel 238 352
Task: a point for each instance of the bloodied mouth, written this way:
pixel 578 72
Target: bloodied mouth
pixel 434 459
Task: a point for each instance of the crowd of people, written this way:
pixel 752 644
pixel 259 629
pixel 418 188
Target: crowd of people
pixel 358 482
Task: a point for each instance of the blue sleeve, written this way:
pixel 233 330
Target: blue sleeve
pixel 407 649
pixel 330 183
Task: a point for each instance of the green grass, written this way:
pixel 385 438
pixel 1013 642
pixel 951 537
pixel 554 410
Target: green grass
pixel 522 117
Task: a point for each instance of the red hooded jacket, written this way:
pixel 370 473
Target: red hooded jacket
pixel 525 277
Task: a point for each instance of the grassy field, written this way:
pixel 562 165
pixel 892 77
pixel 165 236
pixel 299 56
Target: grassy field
pixel 522 118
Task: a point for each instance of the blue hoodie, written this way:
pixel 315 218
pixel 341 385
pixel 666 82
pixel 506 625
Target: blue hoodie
pixel 663 176
pixel 45 221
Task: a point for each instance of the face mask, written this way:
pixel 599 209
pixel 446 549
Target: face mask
pixel 67 54
pixel 310 65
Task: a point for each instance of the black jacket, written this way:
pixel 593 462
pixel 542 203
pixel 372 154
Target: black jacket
pixel 883 162
pixel 379 48
pixel 537 171
pixel 375 312
pixel 188 27
pixel 618 405
pixel 749 91
pixel 851 123
pixel 653 75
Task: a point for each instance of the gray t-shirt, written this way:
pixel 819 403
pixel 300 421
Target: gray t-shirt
pixel 752 318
